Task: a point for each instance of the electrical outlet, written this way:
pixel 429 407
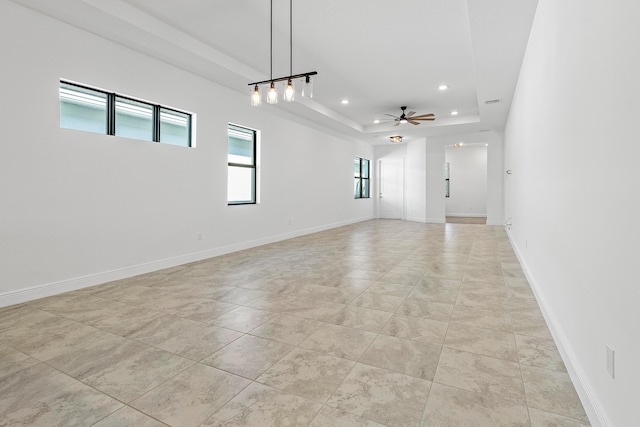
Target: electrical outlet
pixel 611 359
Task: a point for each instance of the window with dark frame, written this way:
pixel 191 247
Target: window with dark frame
pixel 361 178
pixel 241 183
pixel 92 110
pixel 446 180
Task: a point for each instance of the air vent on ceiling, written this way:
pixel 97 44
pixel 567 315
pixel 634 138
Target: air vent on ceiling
pixel 492 101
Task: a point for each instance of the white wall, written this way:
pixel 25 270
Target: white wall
pixel 81 208
pixel 572 143
pixel 468 180
pixel 416 177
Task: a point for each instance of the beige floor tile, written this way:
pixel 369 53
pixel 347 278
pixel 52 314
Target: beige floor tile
pixel 448 406
pixel 438 282
pixel 260 405
pixel 243 319
pixel 94 353
pixel 203 310
pixel 359 318
pixel 415 328
pixel 377 301
pixel 191 397
pixel 488 342
pixel 547 419
pixel 185 337
pixel 392 289
pixel 339 341
pixel 408 357
pixel 474 298
pixel 530 326
pixel 129 378
pixel 552 391
pixel 481 317
pixel 308 374
pixel 12 360
pixel 496 378
pixel 425 309
pixel 19 388
pixel 524 306
pixel 402 280
pixel 287 329
pixel 333 417
pixel 126 320
pixel 382 396
pixel 47 338
pixel 128 417
pixel 434 293
pixel 539 352
pixel 248 356
pixel 76 404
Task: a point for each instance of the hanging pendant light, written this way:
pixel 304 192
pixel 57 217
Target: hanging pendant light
pixel 289 92
pixel 256 99
pixel 272 95
pixel 307 89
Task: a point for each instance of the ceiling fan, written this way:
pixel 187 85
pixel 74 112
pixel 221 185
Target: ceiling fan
pixel 410 118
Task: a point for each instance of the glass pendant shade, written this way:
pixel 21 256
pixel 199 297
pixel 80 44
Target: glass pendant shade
pixel 256 99
pixel 289 92
pixel 307 89
pixel 272 96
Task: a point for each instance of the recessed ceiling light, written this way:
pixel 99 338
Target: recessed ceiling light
pixel 443 87
pixel 376 121
pixel 454 113
pixel 344 101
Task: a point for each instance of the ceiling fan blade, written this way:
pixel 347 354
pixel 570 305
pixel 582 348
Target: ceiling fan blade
pixel 424 118
pixel 397 124
pixel 413 122
pixel 410 113
pixel 391 115
pixel 423 115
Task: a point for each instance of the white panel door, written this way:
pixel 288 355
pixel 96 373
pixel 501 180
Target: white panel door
pixel 391 190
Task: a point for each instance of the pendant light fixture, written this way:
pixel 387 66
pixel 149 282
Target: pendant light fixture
pixel 395 139
pixel 289 92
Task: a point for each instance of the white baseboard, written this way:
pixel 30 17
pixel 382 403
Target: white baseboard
pixel 467 215
pixel 54 288
pixel 584 388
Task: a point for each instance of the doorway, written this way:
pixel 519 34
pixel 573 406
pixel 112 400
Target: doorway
pixel 391 189
pixel 466 198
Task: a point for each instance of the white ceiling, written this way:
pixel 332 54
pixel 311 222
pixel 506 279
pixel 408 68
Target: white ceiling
pixel 378 54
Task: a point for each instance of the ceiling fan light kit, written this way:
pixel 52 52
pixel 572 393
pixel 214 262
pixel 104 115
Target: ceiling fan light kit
pixel 289 92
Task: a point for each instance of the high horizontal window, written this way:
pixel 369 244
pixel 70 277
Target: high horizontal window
pixel 242 179
pixel 361 178
pixel 92 110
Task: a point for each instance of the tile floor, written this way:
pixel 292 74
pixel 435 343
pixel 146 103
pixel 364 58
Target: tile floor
pixel 381 323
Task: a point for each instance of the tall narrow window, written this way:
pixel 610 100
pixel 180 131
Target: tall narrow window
pixel 446 180
pixel 361 178
pixel 241 185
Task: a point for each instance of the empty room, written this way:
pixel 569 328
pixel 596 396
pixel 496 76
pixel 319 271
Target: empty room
pixel 319 213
